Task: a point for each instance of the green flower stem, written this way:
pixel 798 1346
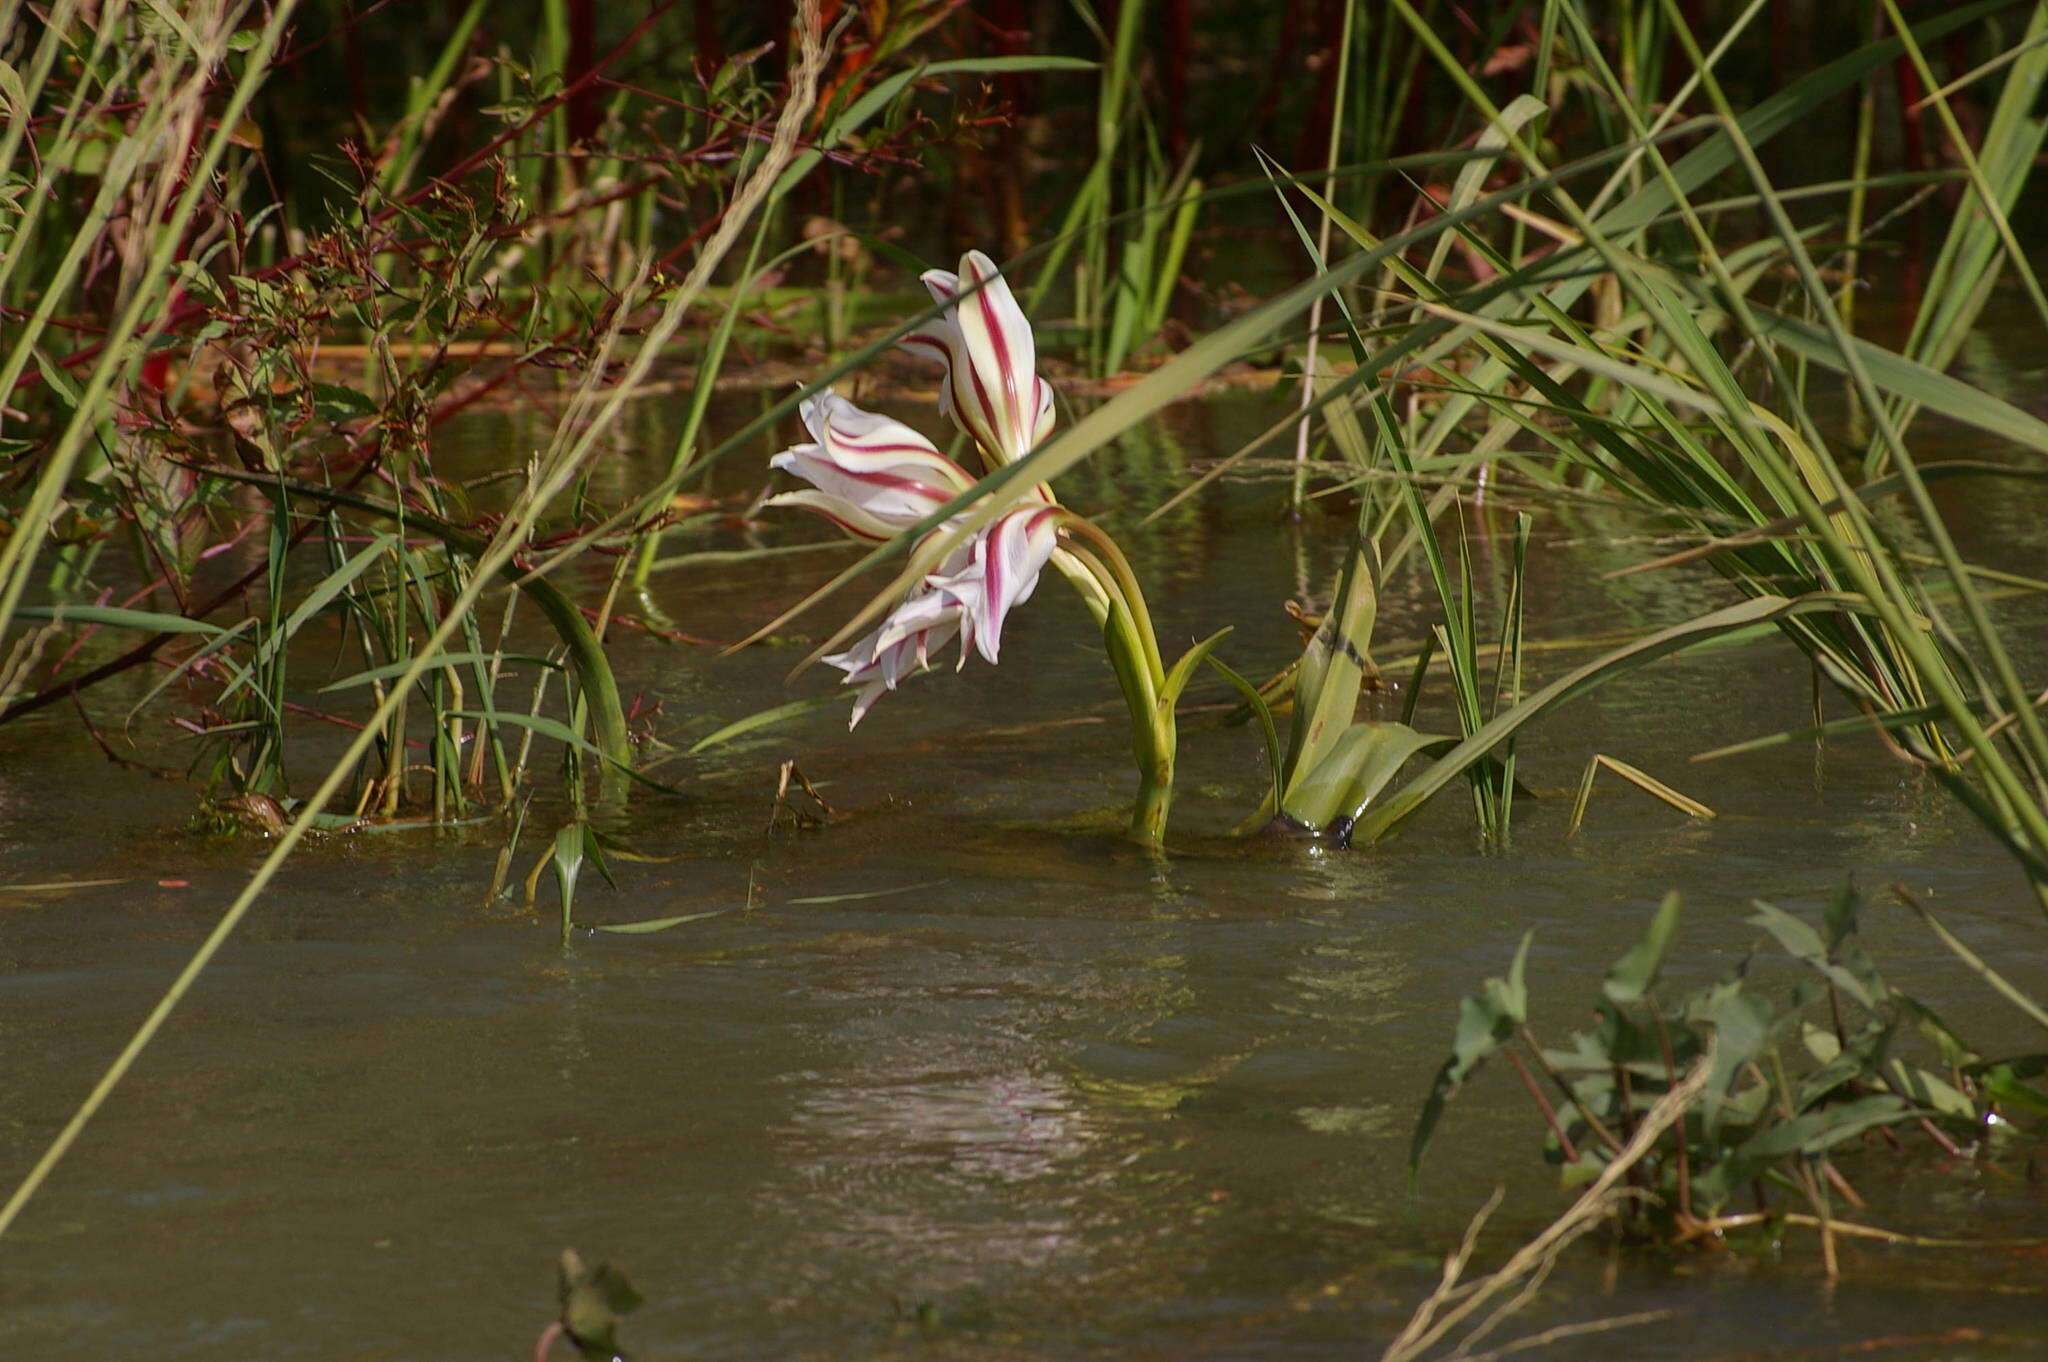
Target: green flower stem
pixel 1103 576
pixel 1126 587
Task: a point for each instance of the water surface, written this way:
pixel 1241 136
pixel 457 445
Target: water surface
pixel 1039 1094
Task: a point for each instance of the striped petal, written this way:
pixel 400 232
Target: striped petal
pixel 925 622
pixel 992 388
pixel 1008 560
pixel 1002 353
pixel 873 475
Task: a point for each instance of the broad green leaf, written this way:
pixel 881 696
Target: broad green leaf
pixel 1802 942
pixel 1743 1025
pixel 1363 761
pixel 1326 688
pixel 1807 1135
pixel 1636 973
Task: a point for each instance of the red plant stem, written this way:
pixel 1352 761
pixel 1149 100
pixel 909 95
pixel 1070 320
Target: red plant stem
pixel 710 52
pixel 1671 1069
pixel 582 40
pixel 1909 122
pixel 1564 1141
pixel 1315 134
pixel 348 26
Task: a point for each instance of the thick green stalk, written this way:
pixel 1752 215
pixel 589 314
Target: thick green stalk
pixel 1103 576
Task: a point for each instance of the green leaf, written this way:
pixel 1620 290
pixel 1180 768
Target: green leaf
pixel 1636 973
pixel 1808 1135
pixel 1452 764
pixel 1902 377
pixel 2005 1084
pixel 1327 683
pixel 2000 984
pixel 562 733
pixel 567 860
pixel 1922 1088
pixel 593 851
pixel 324 594
pixel 1258 706
pixel 1177 678
pixel 1486 1023
pixel 1743 1025
pixel 763 718
pixel 116 617
pixel 1804 943
pixel 586 654
pixel 658 924
pixel 1365 758
pixel 336 402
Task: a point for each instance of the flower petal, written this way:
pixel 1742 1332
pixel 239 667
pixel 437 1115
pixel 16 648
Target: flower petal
pixel 925 622
pixel 1001 353
pixel 848 515
pixel 869 442
pixel 872 475
pixel 985 341
pixel 1010 557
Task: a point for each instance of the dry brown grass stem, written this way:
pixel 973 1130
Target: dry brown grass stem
pixel 1455 1301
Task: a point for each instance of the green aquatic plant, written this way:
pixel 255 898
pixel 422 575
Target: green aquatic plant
pixel 1615 347
pixel 878 479
pixel 1798 1077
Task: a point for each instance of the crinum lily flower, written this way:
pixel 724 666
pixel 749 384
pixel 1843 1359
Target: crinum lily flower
pixel 875 477
pixel 992 387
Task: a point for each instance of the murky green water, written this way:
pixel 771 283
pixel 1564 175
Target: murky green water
pixel 1052 1098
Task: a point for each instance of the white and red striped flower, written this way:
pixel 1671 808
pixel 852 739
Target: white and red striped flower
pixel 875 477
pixel 992 387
